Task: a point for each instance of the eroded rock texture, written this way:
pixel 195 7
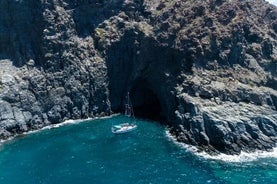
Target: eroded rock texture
pixel 207 67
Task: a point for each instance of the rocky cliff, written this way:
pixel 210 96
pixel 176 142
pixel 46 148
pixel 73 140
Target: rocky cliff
pixel 207 67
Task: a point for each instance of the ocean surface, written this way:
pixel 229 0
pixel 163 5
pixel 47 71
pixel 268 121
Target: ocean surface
pixel 87 152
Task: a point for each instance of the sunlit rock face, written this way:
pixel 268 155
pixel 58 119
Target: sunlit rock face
pixel 206 68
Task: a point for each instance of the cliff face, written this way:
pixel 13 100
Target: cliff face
pixel 207 67
pixel 48 72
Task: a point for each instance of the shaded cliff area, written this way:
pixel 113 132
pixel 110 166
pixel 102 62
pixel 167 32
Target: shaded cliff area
pixel 208 68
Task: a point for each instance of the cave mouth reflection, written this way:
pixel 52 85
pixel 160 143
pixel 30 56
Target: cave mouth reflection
pixel 145 102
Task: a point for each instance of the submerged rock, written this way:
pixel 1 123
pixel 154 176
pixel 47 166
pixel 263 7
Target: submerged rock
pixel 207 67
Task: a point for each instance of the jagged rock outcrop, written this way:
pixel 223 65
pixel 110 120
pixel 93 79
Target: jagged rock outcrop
pixel 49 74
pixel 209 67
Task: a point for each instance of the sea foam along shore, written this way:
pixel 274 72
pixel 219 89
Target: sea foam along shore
pixel 242 157
pixel 67 122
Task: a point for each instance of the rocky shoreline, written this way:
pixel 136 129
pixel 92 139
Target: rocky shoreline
pixel 209 68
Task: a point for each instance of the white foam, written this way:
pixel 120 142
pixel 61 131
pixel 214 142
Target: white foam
pixel 272 2
pixel 2 141
pixel 67 122
pixel 242 157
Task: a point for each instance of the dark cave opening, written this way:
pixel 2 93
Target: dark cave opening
pixel 145 102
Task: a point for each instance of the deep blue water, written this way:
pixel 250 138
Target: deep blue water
pixel 88 152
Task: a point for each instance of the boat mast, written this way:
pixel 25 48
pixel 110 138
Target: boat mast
pixel 127 106
pixel 131 110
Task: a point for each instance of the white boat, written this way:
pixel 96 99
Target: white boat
pixel 126 127
pixel 123 128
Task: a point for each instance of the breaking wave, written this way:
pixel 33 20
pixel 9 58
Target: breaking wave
pixel 67 122
pixel 242 157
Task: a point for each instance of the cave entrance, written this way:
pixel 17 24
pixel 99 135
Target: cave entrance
pixel 145 102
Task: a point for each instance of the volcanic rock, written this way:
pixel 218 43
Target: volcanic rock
pixel 207 67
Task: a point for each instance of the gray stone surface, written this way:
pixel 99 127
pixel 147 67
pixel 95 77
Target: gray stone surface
pixel 210 65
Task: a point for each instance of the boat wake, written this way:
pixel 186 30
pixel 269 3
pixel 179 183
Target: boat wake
pixel 242 157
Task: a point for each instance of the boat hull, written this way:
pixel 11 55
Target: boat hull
pixel 124 129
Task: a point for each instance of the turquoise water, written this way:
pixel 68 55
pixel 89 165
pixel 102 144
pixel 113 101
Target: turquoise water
pixel 89 153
